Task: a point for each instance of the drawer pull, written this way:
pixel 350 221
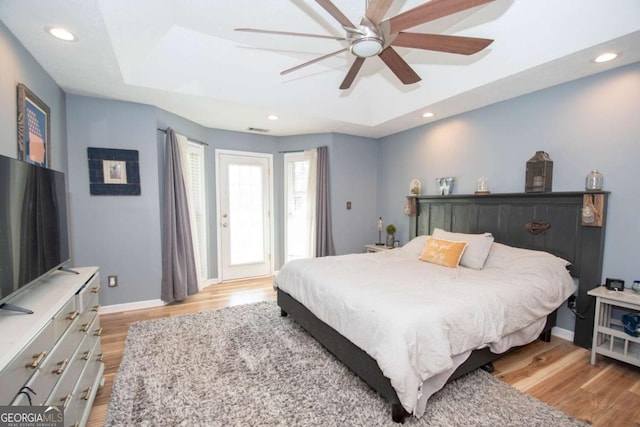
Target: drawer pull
pixel 65 400
pixel 87 393
pixel 37 358
pixel 87 355
pixel 98 332
pixel 96 308
pixel 73 315
pixel 100 357
pixel 95 289
pixel 61 366
pixel 85 327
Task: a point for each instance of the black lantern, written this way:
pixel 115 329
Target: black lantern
pixel 539 173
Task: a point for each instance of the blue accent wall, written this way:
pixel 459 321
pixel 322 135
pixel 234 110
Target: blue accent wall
pixel 590 123
pixel 120 234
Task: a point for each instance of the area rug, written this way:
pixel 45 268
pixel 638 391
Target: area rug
pixel 247 366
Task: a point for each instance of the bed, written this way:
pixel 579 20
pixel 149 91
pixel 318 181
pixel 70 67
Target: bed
pixel 375 323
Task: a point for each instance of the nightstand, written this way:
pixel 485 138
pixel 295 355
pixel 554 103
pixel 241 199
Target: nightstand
pixel 609 338
pixel 376 248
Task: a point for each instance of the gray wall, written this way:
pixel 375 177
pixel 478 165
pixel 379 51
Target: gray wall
pixel 591 123
pixel 18 66
pixel 120 234
pixel 353 177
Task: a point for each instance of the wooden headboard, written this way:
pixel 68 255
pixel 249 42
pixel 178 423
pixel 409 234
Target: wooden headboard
pixel 520 220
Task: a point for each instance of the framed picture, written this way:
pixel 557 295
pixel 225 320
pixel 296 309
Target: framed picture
pixel 34 128
pixel 113 172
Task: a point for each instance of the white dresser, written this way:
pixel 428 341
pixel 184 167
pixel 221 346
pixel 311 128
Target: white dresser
pixel 53 356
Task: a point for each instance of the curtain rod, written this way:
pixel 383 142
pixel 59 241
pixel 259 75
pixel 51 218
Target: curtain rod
pixel 292 151
pixel 192 140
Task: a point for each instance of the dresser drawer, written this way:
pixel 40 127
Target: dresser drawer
pixel 59 361
pixel 83 355
pixel 28 397
pixel 65 317
pixel 88 292
pixel 86 389
pixel 26 363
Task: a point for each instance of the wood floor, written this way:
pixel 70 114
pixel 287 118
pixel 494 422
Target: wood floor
pixel 558 373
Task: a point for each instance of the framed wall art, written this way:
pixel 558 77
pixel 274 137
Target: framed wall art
pixel 113 172
pixel 34 128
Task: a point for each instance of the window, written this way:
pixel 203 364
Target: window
pixel 300 194
pixel 194 174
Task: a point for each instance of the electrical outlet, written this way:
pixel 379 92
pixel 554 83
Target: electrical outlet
pixel 348 205
pixel 571 302
pixel 112 281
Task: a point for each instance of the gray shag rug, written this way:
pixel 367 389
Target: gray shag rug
pixel 247 366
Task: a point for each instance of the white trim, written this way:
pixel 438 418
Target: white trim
pixel 209 282
pixel 138 305
pixel 562 333
pixel 152 303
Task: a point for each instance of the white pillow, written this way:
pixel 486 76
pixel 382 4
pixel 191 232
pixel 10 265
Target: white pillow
pixel 512 258
pixel 478 246
pixel 414 247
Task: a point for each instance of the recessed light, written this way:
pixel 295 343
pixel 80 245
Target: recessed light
pixel 606 57
pixel 61 33
pixel 272 117
pixel 428 115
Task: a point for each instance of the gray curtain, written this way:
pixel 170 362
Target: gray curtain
pixel 324 236
pixel 179 277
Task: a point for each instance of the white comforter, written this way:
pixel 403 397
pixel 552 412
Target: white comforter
pixel 418 320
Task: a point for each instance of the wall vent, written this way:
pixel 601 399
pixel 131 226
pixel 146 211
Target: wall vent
pixel 252 129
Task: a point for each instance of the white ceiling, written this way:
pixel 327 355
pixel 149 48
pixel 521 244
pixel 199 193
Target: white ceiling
pixel 184 56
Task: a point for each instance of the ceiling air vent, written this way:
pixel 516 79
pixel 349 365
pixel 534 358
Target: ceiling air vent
pixel 252 129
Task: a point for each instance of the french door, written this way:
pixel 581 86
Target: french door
pixel 244 192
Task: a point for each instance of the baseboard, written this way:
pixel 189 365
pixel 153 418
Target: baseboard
pixel 138 305
pixel 210 282
pixel 565 334
pixel 116 308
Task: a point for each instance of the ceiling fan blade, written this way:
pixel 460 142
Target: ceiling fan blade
pixel 313 61
pixel 336 13
pixel 399 66
pixel 442 43
pixel 287 33
pixel 430 11
pixel 353 72
pixel 377 9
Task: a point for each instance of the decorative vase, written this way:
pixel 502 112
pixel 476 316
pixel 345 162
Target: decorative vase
pixel 594 181
pixel 390 240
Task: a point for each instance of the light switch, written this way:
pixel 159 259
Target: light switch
pixel 348 206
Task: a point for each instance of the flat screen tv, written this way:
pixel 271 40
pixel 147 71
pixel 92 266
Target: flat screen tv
pixel 34 239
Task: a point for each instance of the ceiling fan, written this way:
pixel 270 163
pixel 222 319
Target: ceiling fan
pixel 377 37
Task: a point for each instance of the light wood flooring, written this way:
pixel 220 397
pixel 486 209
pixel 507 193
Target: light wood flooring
pixel 558 373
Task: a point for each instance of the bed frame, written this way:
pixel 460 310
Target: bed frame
pixel 550 222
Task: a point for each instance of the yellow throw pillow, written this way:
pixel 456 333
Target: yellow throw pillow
pixel 443 252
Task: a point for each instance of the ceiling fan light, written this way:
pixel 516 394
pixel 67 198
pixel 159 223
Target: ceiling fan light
pixel 366 47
